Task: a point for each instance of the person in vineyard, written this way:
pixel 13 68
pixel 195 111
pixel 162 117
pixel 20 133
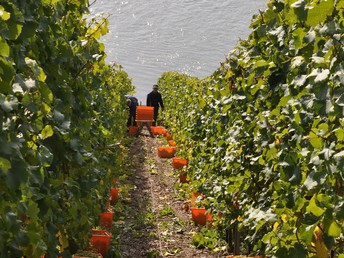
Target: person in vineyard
pixel 132 103
pixel 154 99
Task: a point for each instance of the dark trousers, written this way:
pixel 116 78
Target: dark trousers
pixel 131 118
pixel 155 116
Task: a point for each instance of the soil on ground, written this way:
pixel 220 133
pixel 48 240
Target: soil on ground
pixel 157 222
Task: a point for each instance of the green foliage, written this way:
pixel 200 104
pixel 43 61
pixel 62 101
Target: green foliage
pixel 207 238
pixel 264 133
pixel 61 115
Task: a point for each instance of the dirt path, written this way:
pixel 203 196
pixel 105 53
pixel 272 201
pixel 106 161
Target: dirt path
pixel 156 225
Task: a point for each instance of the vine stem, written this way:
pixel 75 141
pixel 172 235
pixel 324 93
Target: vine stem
pixel 99 26
pixel 92 3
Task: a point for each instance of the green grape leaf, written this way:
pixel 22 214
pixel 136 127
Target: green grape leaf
pixel 261 63
pixel 4 47
pixel 310 219
pixel 47 132
pixel 339 132
pixel 5 164
pixel 37 70
pixel 14 29
pixel 50 2
pixel 298 250
pixel 46 92
pixel 29 29
pixel 306 233
pixel 17 174
pixel 3 14
pixel 298 12
pixel 45 156
pixel 324 200
pixel 318 13
pixel 7 73
pixel 296 176
pixel 314 208
pixel 334 230
pixel 316 141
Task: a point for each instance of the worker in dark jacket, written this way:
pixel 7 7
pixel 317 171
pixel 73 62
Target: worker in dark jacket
pixel 132 103
pixel 154 99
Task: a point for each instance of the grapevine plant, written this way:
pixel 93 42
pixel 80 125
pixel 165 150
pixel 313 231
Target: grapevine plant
pixel 61 115
pixel 264 134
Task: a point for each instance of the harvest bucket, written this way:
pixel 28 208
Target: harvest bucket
pixel 157 130
pixel 171 143
pixel 114 195
pixel 100 240
pixel 166 152
pixel 199 215
pixel 106 218
pixel 182 178
pixel 133 130
pixel 144 113
pixel 179 163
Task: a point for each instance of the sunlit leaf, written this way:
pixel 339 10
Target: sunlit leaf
pixel 323 75
pixel 310 181
pixel 317 14
pixel 314 208
pixel 316 141
pixel 15 29
pixel 47 132
pixel 4 47
pixel 38 71
pixel 3 14
pixel 5 164
pixel 334 229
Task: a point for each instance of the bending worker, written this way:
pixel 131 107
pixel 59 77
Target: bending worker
pixel 154 99
pixel 132 103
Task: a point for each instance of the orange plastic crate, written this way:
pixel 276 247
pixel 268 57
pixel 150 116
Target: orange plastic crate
pixel 182 178
pixel 133 130
pixel 166 152
pixel 157 130
pixel 100 240
pixel 106 218
pixel 199 215
pixel 114 195
pixel 179 163
pixel 171 143
pixel 144 113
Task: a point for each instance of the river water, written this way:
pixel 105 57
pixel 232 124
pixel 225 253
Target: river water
pixel 149 37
